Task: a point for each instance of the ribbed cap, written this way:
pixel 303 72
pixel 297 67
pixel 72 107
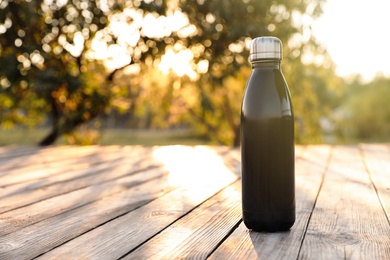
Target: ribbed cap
pixel 268 48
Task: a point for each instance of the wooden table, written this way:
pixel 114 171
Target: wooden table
pixel 173 202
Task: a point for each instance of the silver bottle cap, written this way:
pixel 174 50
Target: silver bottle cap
pixel 266 48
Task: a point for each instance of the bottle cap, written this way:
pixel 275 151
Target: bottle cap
pixel 265 48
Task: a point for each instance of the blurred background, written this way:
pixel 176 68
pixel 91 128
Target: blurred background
pixel 158 72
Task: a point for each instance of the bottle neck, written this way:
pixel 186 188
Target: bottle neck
pixel 269 64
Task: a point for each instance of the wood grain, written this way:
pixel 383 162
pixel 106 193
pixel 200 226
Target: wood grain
pixel 38 238
pixel 42 169
pixel 184 202
pixel 16 196
pixel 348 221
pixel 199 232
pixel 34 157
pixel 310 167
pixel 25 216
pixel 377 161
pixel 118 237
pixel 8 152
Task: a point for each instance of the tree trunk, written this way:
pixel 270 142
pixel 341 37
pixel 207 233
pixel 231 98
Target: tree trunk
pixel 50 138
pixel 54 134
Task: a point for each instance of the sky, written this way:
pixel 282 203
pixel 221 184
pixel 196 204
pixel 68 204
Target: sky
pixel 356 34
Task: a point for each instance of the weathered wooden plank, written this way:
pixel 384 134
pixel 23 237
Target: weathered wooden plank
pixel 200 173
pixel 70 181
pixel 103 160
pixel 377 161
pixel 50 155
pixel 7 152
pixel 49 233
pixel 63 164
pixel 22 217
pixel 198 233
pixel 40 156
pixel 244 244
pixel 348 221
pixel 31 185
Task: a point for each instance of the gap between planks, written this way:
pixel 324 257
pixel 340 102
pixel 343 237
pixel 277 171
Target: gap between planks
pixel 58 229
pixel 116 238
pixel 37 168
pixel 377 162
pixel 24 194
pixel 348 220
pixel 244 244
pixel 200 232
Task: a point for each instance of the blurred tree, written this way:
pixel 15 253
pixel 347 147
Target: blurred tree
pixel 52 54
pixel 365 114
pixel 43 61
pixel 218 34
pixel 47 61
pixel 219 40
pixel 317 91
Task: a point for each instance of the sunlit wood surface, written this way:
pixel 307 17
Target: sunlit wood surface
pixel 177 202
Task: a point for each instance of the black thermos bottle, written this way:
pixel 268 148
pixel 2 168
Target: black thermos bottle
pixel 267 142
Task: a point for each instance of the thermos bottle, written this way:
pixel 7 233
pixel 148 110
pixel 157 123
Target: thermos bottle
pixel 267 142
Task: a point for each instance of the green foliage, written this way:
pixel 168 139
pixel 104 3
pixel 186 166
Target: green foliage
pixel 83 136
pixel 224 29
pixel 365 113
pixel 145 100
pixel 218 35
pixel 48 64
pixel 316 91
pixel 42 66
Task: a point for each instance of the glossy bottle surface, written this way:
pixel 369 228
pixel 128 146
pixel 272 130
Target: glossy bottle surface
pixel 267 150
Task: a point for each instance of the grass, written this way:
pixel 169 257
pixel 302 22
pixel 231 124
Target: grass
pixel 20 136
pixel 149 137
pixel 32 136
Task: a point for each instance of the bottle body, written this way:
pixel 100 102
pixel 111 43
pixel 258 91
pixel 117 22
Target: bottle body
pixel 267 150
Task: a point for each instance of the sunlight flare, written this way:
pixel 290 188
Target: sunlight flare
pixel 193 167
